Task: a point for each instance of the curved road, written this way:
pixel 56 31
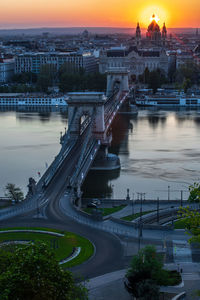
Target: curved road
pixel 108 254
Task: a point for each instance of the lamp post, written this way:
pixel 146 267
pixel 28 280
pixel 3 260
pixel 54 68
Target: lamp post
pixel 172 216
pixel 181 198
pixel 168 193
pixel 38 211
pixel 158 210
pixel 113 190
pixel 133 205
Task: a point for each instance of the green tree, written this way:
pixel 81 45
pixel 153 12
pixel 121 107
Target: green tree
pixel 70 68
pixel 186 84
pixel 26 77
pixel 194 190
pixel 47 77
pixel 146 274
pixel 190 71
pixel 14 193
pixel 145 268
pixel 32 273
pixel 154 81
pixel 192 223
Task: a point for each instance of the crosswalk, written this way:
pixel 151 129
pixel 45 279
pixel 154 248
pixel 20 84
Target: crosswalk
pixel 181 251
pixel 191 276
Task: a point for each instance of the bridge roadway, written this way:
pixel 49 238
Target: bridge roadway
pixel 108 250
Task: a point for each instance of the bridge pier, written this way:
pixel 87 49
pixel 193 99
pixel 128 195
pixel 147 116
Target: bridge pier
pixel 105 161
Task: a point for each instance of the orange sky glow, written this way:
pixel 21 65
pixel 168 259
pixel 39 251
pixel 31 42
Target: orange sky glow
pixel 108 13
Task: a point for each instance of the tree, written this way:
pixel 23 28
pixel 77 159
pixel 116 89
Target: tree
pixel 194 192
pixel 192 223
pixel 188 71
pixel 145 269
pixel 154 80
pixel 186 84
pixel 32 272
pixel 14 193
pixel 192 216
pixel 46 77
pixel 26 77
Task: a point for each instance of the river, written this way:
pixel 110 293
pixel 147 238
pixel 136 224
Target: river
pixel 159 152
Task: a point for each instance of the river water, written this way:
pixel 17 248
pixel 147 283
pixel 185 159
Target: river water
pixel 159 152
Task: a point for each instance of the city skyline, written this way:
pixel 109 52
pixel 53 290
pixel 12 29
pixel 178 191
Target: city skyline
pixel 22 14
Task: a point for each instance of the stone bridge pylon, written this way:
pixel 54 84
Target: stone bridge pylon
pixel 117 78
pixel 85 108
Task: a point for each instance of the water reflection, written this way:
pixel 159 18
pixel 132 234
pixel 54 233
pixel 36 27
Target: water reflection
pixel 157 149
pixel 99 184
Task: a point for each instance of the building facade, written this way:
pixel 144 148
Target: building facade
pixel 32 62
pixel 141 54
pixel 133 59
pixel 6 70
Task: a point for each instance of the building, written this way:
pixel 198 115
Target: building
pixel 196 52
pixel 184 57
pixel 133 59
pixel 6 69
pixel 140 54
pixel 32 62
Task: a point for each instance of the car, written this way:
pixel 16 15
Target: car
pixel 92 205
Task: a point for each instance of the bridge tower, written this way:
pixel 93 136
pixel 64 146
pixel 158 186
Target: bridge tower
pixel 117 78
pixel 84 107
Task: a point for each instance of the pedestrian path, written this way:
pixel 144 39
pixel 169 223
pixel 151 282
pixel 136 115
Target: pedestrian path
pixel 181 251
pixel 110 286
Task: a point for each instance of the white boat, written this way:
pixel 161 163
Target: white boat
pixel 32 100
pixel 168 100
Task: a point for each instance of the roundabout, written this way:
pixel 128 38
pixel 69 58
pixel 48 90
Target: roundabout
pixel 70 249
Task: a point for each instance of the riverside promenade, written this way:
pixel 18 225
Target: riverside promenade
pixel 110 286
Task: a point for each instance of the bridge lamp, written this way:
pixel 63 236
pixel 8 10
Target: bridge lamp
pixel 82 175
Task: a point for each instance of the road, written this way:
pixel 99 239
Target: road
pixel 108 254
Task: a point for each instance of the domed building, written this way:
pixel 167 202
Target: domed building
pixel 139 53
pixel 154 34
pixel 153 31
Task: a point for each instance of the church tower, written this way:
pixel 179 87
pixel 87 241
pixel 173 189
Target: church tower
pixel 138 35
pixel 164 34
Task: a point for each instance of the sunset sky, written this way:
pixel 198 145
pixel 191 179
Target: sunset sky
pixel 109 13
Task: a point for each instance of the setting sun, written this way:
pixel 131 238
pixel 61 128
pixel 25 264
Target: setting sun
pixel 155 18
pixel 150 13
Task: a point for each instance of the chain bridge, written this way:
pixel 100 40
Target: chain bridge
pixel 90 116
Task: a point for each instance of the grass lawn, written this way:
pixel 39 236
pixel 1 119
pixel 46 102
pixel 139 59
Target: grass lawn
pixel 105 211
pixel 170 278
pixel 179 224
pixel 63 246
pixel 135 216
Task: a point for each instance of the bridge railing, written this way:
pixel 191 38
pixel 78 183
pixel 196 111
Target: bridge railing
pixel 85 124
pixel 114 107
pixel 89 157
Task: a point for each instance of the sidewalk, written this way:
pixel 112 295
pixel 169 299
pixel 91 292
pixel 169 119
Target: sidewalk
pixel 110 286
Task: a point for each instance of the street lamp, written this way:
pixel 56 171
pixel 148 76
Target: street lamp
pixel 158 210
pixel 133 205
pixel 181 198
pixel 168 193
pixel 172 216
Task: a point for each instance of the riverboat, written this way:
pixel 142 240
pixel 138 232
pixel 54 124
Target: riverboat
pixel 18 99
pixel 168 100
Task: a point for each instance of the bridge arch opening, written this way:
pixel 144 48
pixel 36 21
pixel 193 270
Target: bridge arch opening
pixel 84 121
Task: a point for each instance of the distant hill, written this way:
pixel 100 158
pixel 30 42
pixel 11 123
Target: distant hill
pixel 77 30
